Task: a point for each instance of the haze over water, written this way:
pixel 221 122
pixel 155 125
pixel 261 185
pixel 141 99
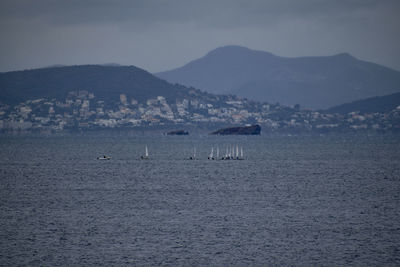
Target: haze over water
pixel 300 201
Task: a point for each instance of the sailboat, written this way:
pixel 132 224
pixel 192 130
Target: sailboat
pixel 226 155
pixel 217 152
pixel 241 153
pixel 146 156
pixel 211 156
pixel 194 154
pixel 237 152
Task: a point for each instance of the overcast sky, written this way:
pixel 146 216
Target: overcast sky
pixel 160 35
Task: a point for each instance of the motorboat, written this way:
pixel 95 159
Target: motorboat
pixel 104 157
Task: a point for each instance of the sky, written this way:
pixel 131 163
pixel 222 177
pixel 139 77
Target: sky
pixel 159 35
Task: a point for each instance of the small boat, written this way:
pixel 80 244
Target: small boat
pixel 194 154
pixel 211 156
pixel 146 156
pixel 104 157
pixel 227 155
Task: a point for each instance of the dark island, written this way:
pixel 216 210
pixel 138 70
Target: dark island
pixel 178 132
pixel 245 130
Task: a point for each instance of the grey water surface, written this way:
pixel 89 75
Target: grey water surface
pixel 293 201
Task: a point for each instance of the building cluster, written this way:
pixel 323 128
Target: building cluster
pixel 83 110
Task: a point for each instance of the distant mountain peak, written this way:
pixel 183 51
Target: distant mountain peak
pixel 229 48
pixel 234 49
pixel 345 54
pixel 312 81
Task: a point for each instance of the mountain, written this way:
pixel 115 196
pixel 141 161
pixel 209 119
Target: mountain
pixel 93 97
pixel 106 82
pixel 379 104
pixel 314 82
pixel 98 96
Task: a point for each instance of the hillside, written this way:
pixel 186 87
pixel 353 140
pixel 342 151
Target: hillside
pixel 106 82
pixel 95 98
pixel 379 104
pixel 314 82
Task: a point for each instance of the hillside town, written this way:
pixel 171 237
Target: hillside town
pixel 81 110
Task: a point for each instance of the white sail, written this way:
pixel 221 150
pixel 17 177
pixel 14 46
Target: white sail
pixel 237 151
pixel 212 152
pixel 194 153
pixel 147 152
pixel 241 152
pixel 217 152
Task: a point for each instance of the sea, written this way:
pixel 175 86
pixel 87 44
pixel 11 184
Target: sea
pixel 292 201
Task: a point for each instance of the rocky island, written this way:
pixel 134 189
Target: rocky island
pixel 245 130
pixel 178 132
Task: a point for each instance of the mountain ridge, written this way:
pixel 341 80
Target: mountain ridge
pixel 92 97
pixel 316 82
pixel 378 104
pixel 108 81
